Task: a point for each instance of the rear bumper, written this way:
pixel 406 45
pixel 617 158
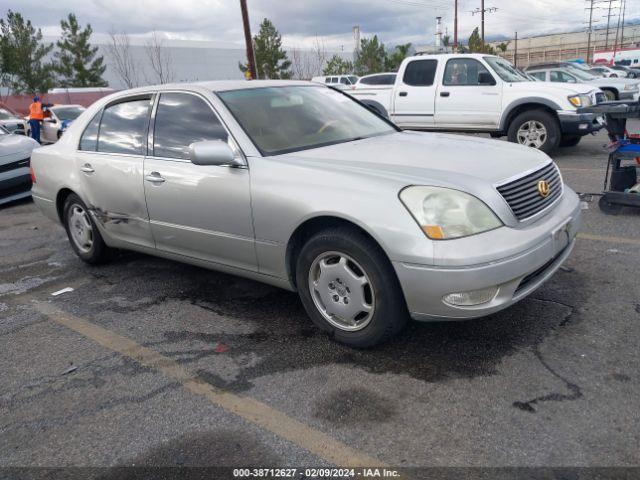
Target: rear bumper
pixel 572 123
pixel 515 277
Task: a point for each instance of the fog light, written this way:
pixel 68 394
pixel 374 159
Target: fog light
pixel 474 297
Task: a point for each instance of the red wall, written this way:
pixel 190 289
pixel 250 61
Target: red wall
pixel 20 103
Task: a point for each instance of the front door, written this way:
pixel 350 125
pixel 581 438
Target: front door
pixel 109 164
pixel 195 210
pixel 414 95
pixel 469 96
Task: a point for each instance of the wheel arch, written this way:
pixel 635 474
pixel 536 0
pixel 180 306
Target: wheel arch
pixel 61 197
pixel 310 227
pixel 613 90
pixel 519 106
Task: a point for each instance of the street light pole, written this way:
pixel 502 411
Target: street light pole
pixel 247 39
pixel 455 26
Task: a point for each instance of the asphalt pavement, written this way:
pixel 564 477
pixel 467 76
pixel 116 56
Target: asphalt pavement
pixel 152 362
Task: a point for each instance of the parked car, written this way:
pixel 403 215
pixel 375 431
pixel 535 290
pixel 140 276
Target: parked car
pixel 483 93
pixel 15 154
pixel 377 79
pixel 631 73
pixel 337 81
pixel 59 119
pixel 612 88
pixel 607 71
pixel 297 185
pixel 12 122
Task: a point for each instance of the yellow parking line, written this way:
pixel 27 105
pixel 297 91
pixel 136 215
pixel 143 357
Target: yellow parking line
pixel 252 410
pixel 606 238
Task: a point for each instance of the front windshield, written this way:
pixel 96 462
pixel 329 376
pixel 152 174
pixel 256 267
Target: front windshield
pixel 67 113
pixel 581 74
pixel 505 70
pixel 5 115
pixel 287 119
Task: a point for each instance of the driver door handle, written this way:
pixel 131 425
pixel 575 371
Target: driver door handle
pixel 87 168
pixel 154 177
pixel 403 94
pixel 444 94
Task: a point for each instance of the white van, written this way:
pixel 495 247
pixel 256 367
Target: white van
pixel 337 81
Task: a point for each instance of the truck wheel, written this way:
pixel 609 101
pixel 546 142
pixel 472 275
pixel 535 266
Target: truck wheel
pixel 349 288
pixel 537 129
pixel 570 140
pixel 83 234
pixel 610 95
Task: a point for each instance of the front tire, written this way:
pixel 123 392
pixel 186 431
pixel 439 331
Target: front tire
pixel 349 288
pixel 535 128
pixel 83 234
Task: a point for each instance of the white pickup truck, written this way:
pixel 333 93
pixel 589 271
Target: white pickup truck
pixel 483 93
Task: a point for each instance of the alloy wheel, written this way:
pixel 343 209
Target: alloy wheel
pixel 80 228
pixel 532 134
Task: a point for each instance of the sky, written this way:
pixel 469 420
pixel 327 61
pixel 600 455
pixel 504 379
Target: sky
pixel 301 22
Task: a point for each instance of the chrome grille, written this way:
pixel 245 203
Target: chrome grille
pixel 523 196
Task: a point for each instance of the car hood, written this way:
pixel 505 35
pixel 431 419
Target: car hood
pixel 561 89
pixel 426 158
pixel 11 145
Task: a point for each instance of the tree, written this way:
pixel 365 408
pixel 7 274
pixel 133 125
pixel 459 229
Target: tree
pixel 476 45
pixel 502 47
pixel 271 59
pixel 338 66
pixel 307 64
pixel 392 62
pixel 446 41
pixel 160 59
pixel 23 56
pixel 76 61
pixel 370 57
pixel 119 52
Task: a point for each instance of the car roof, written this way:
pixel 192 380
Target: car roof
pixel 221 85
pixel 57 105
pixel 451 55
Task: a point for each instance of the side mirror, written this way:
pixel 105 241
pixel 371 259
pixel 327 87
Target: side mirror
pixel 212 152
pixel 485 78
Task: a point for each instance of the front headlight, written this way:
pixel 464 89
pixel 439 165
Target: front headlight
pixel 631 86
pixel 581 100
pixel 443 213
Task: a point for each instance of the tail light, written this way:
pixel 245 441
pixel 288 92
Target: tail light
pixel 32 174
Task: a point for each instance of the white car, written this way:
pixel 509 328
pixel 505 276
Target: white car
pixel 61 117
pixel 337 81
pixel 483 93
pixel 607 71
pixel 13 123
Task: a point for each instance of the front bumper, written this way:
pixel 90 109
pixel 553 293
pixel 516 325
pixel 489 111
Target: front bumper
pixel 572 123
pixel 628 95
pixel 517 276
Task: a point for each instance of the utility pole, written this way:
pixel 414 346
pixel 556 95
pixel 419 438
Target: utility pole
pixel 589 32
pixel 615 43
pixel 624 9
pixel 247 38
pixel 482 21
pixel 515 54
pixel 606 41
pixel 455 26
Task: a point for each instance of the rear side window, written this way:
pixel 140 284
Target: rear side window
pixel 89 139
pixel 327 80
pixel 420 73
pixel 124 126
pixel 182 119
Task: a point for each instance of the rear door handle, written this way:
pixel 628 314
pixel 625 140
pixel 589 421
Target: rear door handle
pixel 154 177
pixel 87 168
pixel 403 94
pixel 444 94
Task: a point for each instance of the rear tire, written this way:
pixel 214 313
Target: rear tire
pixel 349 288
pixel 83 234
pixel 570 140
pixel 535 128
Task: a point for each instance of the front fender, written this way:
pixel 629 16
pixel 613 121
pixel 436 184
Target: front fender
pixel 506 114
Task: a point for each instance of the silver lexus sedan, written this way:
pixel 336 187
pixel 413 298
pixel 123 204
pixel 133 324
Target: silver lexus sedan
pixel 300 186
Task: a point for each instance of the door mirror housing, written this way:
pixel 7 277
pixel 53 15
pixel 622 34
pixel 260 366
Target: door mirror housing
pixel 485 78
pixel 212 152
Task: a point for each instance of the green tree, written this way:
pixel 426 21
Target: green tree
pixel 446 42
pixel 502 47
pixel 24 56
pixel 392 61
pixel 271 59
pixel 476 45
pixel 338 66
pixel 76 60
pixel 370 57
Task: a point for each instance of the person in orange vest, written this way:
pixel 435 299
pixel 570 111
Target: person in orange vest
pixel 36 116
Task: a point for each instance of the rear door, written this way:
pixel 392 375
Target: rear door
pixel 196 210
pixel 109 164
pixel 464 100
pixel 414 94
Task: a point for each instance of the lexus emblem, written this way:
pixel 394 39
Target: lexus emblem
pixel 544 188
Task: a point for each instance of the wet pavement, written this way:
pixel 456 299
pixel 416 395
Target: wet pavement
pixel 552 381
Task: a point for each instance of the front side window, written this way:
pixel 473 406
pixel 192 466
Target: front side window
pixel 124 126
pixel 464 72
pixel 287 119
pixel 67 113
pixel 89 139
pixel 506 70
pixel 344 81
pixel 560 76
pixel 182 119
pixel 420 73
pixel 539 75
